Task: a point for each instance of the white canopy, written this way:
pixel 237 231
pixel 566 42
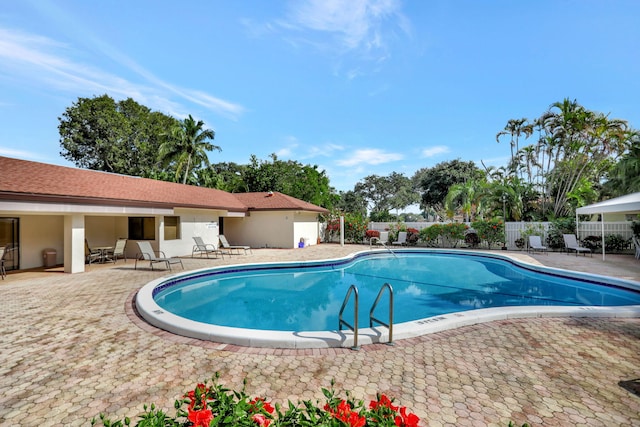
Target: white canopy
pixel 629 203
pixel 623 204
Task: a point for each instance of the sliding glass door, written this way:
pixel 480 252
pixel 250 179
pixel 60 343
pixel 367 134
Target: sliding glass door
pixel 9 234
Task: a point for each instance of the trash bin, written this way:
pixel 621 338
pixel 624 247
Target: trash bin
pixel 49 256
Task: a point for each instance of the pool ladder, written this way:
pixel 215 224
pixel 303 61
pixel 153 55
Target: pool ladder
pixel 354 290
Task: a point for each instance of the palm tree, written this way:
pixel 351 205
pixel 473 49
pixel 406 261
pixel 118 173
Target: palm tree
pixel 515 128
pixel 187 147
pixel 466 197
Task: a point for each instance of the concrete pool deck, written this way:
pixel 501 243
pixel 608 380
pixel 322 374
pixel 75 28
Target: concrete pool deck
pixel 71 347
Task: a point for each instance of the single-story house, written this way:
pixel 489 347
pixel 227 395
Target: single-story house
pixel 47 208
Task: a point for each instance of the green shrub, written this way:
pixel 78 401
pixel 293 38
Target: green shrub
pixel 491 231
pixel 214 405
pixel 614 243
pixel 557 228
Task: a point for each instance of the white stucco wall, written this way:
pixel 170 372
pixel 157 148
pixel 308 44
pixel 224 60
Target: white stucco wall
pixel 276 229
pixel 39 232
pixel 193 223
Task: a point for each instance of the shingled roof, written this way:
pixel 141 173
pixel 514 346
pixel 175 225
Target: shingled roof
pixel 24 180
pixel 40 182
pixel 274 201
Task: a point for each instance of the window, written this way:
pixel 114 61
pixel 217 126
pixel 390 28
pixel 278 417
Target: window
pixel 171 227
pixel 142 228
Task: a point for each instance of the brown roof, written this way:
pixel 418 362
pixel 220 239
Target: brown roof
pixel 41 182
pixel 273 201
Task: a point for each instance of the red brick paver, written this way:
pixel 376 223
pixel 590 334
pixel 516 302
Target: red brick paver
pixel 69 350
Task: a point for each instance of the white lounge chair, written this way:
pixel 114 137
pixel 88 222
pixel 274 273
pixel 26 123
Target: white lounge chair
pixel 571 244
pixel 382 240
pixel 231 248
pixel 636 244
pixel 202 248
pixel 147 254
pixel 535 244
pixel 402 239
pixel 117 251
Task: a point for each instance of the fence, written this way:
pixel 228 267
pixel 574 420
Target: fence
pixel 513 230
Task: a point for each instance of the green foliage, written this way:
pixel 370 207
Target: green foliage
pixel 355 227
pixel 557 228
pixel 446 235
pixel 491 231
pixel 120 137
pixel 635 227
pixel 384 193
pixel 434 183
pixel 211 404
pixel 304 182
pixel 614 243
pixel 186 147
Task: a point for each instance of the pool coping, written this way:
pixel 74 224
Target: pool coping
pixel 158 317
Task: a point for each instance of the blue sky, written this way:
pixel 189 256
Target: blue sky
pixel 357 87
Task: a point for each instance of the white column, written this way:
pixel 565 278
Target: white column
pixel 341 231
pixel 74 243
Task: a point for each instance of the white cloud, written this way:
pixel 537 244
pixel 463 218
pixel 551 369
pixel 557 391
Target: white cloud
pixel 371 156
pixel 37 60
pixel 434 151
pixel 356 24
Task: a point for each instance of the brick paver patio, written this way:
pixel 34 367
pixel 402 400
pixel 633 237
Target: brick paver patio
pixel 71 347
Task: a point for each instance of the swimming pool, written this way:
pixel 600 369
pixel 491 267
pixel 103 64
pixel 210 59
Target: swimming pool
pixel 296 304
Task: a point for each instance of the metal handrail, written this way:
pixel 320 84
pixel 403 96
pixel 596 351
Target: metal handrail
pixel 341 321
pixel 375 304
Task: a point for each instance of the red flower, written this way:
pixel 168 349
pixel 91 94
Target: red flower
pixel 404 420
pixel 384 401
pixel 261 420
pixel 259 401
pixel 200 418
pixel 344 413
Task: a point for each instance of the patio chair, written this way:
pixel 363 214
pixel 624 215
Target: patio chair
pixel 402 239
pixel 231 248
pixel 147 254
pixel 571 244
pixel 118 251
pixel 91 255
pixel 382 240
pixel 204 248
pixel 636 244
pixel 3 272
pixel 535 244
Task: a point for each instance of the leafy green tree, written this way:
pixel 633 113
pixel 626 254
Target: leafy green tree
pixel 120 137
pixel 434 182
pixel 186 147
pixel 465 197
pixel 350 201
pixel 383 193
pixel 624 176
pixel 304 182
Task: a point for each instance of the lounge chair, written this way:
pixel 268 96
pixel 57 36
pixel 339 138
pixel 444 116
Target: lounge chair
pixel 535 244
pixel 117 251
pixel 571 244
pixel 402 239
pixel 147 254
pixel 382 240
pixel 91 255
pixel 203 248
pixel 231 248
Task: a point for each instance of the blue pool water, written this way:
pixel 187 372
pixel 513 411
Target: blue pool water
pixel 290 297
